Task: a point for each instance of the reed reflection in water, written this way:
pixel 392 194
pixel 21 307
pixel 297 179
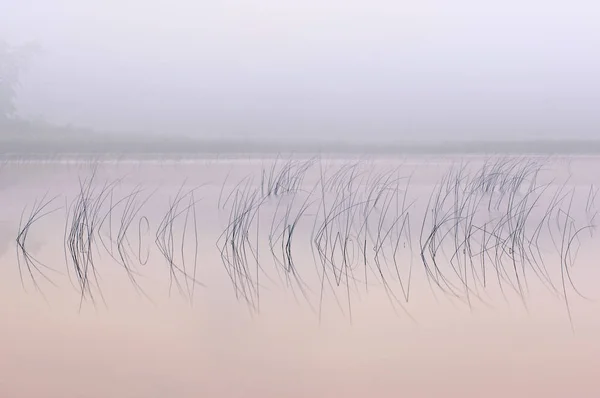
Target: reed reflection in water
pixel 300 277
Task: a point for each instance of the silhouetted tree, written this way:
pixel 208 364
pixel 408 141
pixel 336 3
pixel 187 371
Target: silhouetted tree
pixel 13 61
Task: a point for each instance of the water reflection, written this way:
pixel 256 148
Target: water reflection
pixel 244 279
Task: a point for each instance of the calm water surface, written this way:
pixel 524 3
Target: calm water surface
pixel 210 278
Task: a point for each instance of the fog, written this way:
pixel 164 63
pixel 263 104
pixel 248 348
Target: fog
pixel 313 69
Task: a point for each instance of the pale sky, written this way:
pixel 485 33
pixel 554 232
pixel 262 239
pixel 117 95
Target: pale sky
pixel 314 69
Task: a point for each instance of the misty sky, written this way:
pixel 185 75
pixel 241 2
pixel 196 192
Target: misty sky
pixel 306 69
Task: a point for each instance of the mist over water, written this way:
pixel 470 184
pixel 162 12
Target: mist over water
pixel 300 277
pixel 350 71
pixel 154 242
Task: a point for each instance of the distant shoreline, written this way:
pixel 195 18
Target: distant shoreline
pixel 42 147
pixel 22 138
